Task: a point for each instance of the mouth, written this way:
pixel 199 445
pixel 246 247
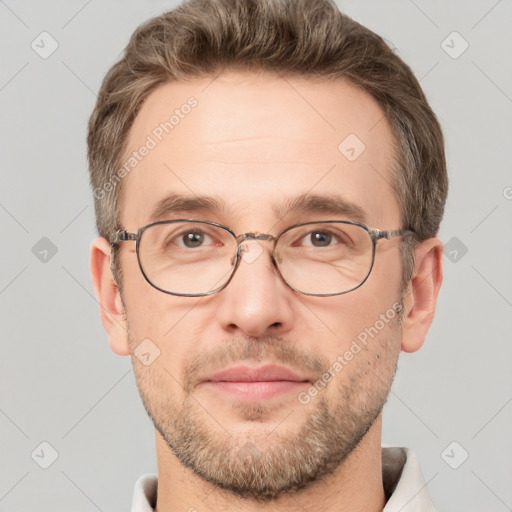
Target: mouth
pixel 260 383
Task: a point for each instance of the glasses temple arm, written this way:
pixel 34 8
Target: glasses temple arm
pixel 392 233
pixel 123 236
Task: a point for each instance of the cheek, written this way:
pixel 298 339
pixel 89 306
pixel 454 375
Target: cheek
pixel 358 323
pixel 159 391
pixel 347 315
pixel 157 351
pixel 150 312
pixel 386 274
pixel 362 370
pixel 165 327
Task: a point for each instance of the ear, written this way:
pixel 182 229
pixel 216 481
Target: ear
pixel 421 296
pixel 111 306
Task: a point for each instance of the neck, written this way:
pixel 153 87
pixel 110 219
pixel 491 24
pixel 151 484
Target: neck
pixel 355 486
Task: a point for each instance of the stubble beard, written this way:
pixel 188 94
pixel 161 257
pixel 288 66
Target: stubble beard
pixel 264 465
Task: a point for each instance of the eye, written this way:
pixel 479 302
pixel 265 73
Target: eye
pixel 193 238
pixel 320 238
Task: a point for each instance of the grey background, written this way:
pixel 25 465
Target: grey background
pixel 59 381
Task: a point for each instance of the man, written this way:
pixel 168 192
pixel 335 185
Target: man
pixel 269 181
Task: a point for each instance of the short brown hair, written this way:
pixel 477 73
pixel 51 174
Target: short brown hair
pixel 310 38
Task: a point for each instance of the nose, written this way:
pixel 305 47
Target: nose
pixel 256 302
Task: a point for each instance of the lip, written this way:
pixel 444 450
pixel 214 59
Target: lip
pixel 261 383
pixel 267 373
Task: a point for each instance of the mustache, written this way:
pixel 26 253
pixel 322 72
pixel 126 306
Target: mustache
pixel 271 349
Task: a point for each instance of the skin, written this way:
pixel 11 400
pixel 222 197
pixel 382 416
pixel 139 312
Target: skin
pixel 252 141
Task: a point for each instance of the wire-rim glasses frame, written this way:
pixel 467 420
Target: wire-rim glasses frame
pixel 374 234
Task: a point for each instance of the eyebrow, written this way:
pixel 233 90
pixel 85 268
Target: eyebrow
pixel 176 203
pixel 330 204
pixel 305 203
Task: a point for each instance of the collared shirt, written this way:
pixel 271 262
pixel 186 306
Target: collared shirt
pixel 404 485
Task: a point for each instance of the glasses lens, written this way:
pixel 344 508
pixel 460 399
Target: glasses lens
pixel 189 258
pixel 324 258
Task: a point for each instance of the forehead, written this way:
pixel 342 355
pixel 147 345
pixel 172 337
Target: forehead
pixel 252 141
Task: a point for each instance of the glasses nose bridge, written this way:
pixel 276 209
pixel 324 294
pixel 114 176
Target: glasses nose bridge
pixel 254 236
pixel 244 237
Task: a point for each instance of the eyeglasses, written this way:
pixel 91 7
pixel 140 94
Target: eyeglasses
pixel 194 258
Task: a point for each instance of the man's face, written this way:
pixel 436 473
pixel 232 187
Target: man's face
pixel 255 143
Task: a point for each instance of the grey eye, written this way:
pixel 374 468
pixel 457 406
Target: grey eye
pixel 193 239
pixel 320 238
